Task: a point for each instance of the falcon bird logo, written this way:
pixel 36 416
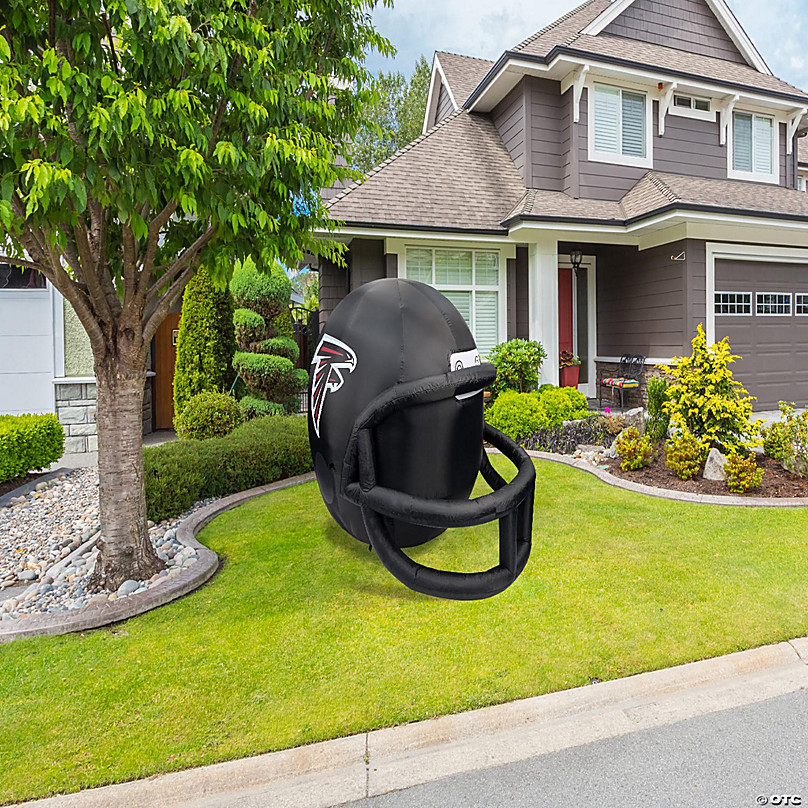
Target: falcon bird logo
pixel 331 358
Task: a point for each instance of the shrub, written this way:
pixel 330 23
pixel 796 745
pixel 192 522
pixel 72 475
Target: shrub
pixel 279 346
pixel 206 341
pixel 273 376
pixel 29 442
pixel 208 415
pixel 567 438
pixel 266 293
pixel 634 451
pixel 787 440
pixel 742 472
pixel 181 473
pixel 612 425
pixel 559 404
pixel 250 327
pixel 517 415
pixel 706 400
pixel 685 455
pixel 517 362
pixel 658 419
pixel 252 407
pixel 776 440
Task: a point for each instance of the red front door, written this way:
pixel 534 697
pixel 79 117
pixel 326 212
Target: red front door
pixel 566 337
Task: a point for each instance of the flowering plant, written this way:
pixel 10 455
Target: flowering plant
pixel 568 359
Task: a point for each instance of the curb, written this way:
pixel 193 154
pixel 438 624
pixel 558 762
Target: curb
pixel 187 581
pixel 378 762
pixel 665 493
pixel 24 490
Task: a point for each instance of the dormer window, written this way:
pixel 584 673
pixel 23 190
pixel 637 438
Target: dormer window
pixel 620 126
pixel 755 153
pixel 690 102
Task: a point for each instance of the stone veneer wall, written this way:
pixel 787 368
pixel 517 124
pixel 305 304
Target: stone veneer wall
pixel 75 408
pixel 633 398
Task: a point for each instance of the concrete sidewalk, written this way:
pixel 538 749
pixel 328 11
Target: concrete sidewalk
pixel 373 763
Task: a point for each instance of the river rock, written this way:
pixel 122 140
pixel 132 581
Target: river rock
pixel 714 469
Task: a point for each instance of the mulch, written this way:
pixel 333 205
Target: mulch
pixel 10 485
pixel 777 482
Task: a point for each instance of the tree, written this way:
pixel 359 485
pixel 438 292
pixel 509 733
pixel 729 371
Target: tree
pixel 267 353
pixel 395 116
pixel 141 137
pixel 206 341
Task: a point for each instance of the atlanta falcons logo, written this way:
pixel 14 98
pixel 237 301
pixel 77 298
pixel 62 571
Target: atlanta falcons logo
pixel 331 358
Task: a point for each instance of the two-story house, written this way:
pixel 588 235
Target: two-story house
pixel 619 177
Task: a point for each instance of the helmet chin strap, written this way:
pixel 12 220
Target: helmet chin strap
pixel 510 503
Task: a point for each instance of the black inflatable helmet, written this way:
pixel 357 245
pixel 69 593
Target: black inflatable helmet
pixel 396 430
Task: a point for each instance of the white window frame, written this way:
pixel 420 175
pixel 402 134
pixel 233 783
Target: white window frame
pixel 596 156
pixel 759 313
pixel 501 288
pixel 749 295
pixel 692 112
pixel 802 182
pixel 801 299
pixel 754 176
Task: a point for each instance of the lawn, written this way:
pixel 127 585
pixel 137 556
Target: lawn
pixel 303 635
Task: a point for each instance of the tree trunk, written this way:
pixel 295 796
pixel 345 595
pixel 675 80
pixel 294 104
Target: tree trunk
pixel 126 552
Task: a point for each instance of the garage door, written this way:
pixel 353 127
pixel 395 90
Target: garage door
pixel 763 309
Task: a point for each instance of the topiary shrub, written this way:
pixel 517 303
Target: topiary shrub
pixel 705 399
pixel 634 451
pixel 208 415
pixel 181 473
pixel 206 341
pixel 29 443
pixel 659 419
pixel 742 473
pixel 517 415
pixel 268 354
pixel 517 362
pixel 252 407
pixel 685 455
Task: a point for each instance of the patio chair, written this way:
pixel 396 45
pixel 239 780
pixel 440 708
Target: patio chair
pixel 628 377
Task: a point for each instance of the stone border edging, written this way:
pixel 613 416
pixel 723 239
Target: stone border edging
pixel 666 493
pixel 96 616
pixel 377 762
pixel 26 488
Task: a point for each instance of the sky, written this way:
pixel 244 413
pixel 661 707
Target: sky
pixel 779 29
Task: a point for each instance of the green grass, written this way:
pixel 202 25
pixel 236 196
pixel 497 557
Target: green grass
pixel 304 636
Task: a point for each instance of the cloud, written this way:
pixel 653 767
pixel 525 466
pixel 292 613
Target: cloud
pixel 778 27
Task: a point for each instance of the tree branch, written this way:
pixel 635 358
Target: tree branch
pixel 18 262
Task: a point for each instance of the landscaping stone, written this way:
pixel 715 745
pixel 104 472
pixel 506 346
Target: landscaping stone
pixel 714 468
pixel 636 418
pixel 127 588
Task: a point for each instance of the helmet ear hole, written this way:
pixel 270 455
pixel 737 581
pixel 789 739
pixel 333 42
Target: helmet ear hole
pixel 325 478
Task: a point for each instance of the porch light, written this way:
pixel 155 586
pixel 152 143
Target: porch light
pixel 576 258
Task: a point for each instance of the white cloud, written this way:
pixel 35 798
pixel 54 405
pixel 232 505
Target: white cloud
pixel 779 28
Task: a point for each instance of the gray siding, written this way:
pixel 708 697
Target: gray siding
pixel 696 291
pixel 518 304
pixel 641 301
pixel 509 118
pixel 445 106
pixel 333 288
pixel 547 157
pixel 689 146
pixel 367 261
pixel 688 25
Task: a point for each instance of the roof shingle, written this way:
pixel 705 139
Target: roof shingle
pixel 464 73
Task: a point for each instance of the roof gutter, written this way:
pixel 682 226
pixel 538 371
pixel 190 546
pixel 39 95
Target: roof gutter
pixel 345 225
pixel 594 58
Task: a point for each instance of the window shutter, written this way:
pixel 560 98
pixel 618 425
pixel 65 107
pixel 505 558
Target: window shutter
pixel 607 120
pixel 764 145
pixel 742 143
pixel 487 321
pixel 633 124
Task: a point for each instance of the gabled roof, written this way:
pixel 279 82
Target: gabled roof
pixel 458 176
pixel 463 73
pixel 658 192
pixel 564 29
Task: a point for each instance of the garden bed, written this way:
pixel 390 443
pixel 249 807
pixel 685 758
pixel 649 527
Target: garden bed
pixel 11 485
pixel 777 482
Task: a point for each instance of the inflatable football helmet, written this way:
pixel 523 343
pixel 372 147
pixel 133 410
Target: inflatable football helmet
pixel 396 430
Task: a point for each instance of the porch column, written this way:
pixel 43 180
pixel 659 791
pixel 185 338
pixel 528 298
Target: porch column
pixel 543 290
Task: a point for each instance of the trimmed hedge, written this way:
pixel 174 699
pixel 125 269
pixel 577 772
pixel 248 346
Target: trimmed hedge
pixel 250 327
pixel 266 292
pixel 208 415
pixel 260 452
pixel 252 407
pixel 29 442
pixel 274 376
pixel 279 346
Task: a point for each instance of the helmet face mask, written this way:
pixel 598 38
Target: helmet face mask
pixel 396 429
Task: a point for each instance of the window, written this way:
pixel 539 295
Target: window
pixel 12 277
pixel 777 305
pixel 802 185
pixel 470 279
pixel 801 304
pixel 689 102
pixel 620 130
pixel 733 303
pixel 754 148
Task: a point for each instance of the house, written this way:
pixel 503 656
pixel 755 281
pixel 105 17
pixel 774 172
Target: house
pixel 647 139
